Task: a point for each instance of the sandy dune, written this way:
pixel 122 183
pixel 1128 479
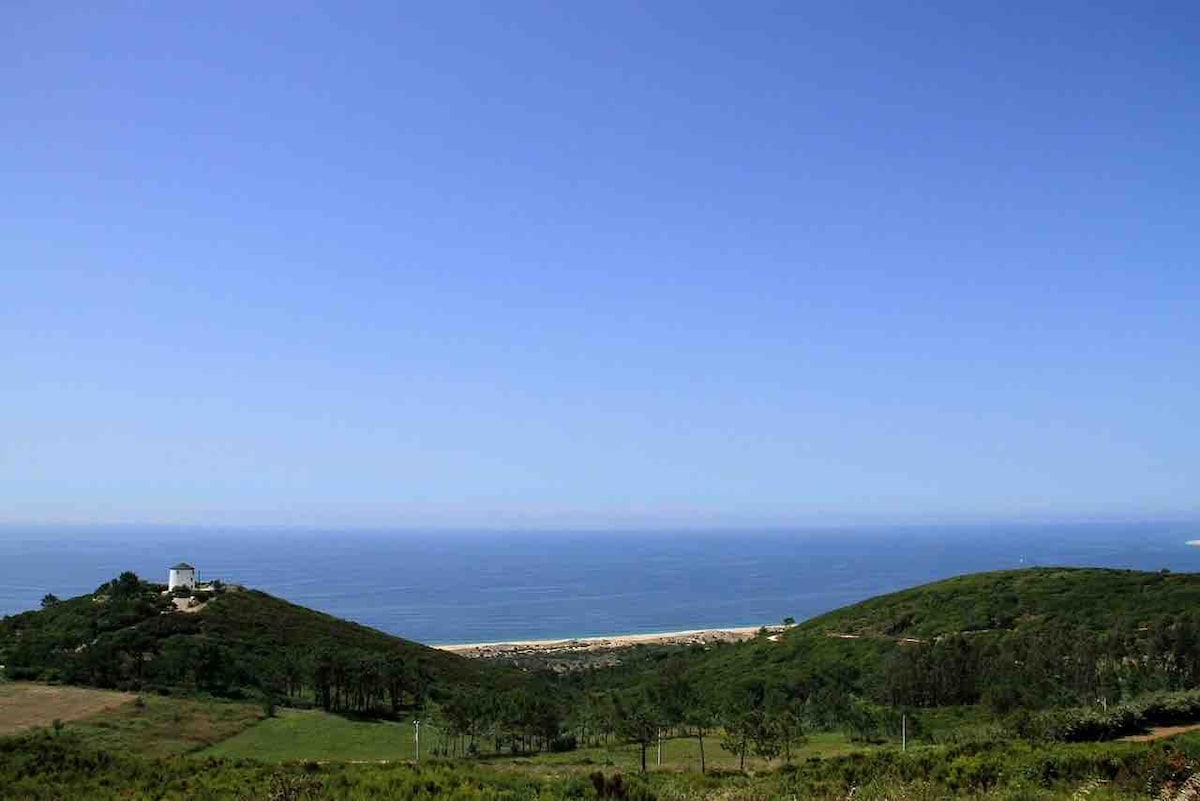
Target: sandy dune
pixel 487 650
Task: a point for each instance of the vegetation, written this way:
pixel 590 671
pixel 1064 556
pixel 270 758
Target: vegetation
pixel 1002 683
pixel 1012 641
pixel 1107 723
pixel 165 726
pixel 299 735
pixel 1094 599
pixel 46 766
pixel 126 635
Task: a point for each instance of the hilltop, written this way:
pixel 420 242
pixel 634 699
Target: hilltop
pixel 1095 599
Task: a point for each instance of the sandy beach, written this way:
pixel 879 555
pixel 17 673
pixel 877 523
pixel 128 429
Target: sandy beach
pixel 611 642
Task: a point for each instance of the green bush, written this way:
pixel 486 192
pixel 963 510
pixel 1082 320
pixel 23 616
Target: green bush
pixel 1090 724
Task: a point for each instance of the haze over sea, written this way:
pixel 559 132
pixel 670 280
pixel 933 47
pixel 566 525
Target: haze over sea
pixel 457 587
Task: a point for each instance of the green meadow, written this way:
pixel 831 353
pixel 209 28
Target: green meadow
pixel 310 735
pixel 165 726
pixel 297 735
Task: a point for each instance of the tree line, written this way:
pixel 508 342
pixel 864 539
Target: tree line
pixel 1047 665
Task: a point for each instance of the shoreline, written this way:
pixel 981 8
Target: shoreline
pixel 605 642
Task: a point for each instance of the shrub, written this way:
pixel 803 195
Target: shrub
pixel 1083 724
pixel 290 787
pixel 563 743
pixel 608 786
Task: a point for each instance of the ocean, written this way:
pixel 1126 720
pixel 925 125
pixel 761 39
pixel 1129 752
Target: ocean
pixel 460 587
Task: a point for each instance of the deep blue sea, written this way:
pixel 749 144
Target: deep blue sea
pixel 485 587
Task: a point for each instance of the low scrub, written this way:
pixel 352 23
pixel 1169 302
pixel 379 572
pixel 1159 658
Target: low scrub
pixel 45 766
pixel 1092 724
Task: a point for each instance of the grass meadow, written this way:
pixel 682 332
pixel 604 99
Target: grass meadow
pixel 149 725
pixel 294 735
pixel 298 735
pixel 165 726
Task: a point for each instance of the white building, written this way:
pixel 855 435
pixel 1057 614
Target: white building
pixel 182 575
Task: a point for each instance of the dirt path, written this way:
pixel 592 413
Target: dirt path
pixel 837 635
pixel 1159 732
pixel 23 705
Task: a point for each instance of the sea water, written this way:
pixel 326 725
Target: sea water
pixel 459 587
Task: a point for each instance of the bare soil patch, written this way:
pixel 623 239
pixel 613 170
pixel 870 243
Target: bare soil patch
pixel 1160 732
pixel 23 705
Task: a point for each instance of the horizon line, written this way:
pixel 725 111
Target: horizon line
pixel 1176 518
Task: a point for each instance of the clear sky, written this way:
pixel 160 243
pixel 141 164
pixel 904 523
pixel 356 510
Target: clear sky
pixel 591 264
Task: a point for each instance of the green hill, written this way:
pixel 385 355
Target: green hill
pixel 1030 639
pixel 1092 598
pixel 1042 655
pixel 128 635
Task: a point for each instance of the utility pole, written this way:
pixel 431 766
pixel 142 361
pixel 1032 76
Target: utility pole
pixel 660 748
pixel 417 726
pixel 904 732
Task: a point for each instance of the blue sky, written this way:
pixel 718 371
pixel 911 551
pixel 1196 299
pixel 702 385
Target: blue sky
pixel 599 264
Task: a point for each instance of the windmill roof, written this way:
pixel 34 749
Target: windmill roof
pixel 183 566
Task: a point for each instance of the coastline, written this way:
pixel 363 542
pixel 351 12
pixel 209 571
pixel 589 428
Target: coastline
pixel 604 642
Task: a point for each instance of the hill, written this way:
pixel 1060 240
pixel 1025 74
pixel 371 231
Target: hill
pixel 1023 639
pixel 129 635
pixel 1091 598
pixel 970 665
pixel 1016 640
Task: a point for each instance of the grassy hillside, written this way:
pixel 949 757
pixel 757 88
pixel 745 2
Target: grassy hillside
pixel 1091 598
pixel 251 620
pixel 153 725
pixel 128 635
pixel 990 607
pixel 1014 640
pixel 1005 642
pixel 997 677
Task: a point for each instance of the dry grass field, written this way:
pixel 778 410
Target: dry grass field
pixel 158 726
pixel 25 705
